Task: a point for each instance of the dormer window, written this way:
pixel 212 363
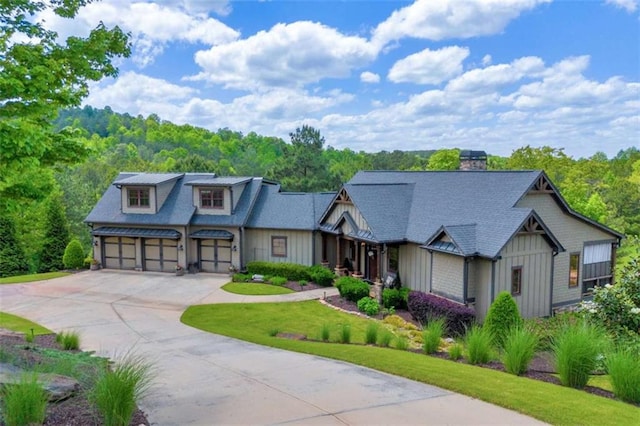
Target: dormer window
pixel 138 197
pixel 212 198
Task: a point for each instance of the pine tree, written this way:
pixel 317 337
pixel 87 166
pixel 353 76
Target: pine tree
pixel 56 237
pixel 12 258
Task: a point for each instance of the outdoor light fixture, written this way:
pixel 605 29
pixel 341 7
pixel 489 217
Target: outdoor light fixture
pixel 95 243
pixel 180 247
pixel 370 253
pixel 234 248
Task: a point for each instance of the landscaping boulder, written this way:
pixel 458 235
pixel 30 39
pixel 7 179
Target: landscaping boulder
pixel 58 387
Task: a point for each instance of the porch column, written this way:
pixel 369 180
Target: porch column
pixel 356 266
pixel 340 270
pixel 379 253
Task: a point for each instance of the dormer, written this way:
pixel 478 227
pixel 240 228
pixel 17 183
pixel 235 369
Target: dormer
pixel 145 193
pixel 217 195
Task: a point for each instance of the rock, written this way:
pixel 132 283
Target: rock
pixel 257 278
pixel 58 387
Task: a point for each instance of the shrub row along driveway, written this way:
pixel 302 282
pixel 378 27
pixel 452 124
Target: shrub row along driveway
pixel 206 379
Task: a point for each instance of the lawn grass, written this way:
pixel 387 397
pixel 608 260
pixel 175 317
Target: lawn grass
pixel 255 289
pixel 21 325
pixel 544 401
pixel 32 277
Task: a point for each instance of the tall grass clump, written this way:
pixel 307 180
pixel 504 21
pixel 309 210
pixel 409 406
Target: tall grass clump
pixel 432 335
pixel 24 403
pixel 325 332
pixel 371 334
pixel 479 345
pixel 345 333
pixel 455 351
pixel 623 367
pixel 69 340
pixel 519 348
pixel 576 349
pixel 402 343
pixel 117 391
pixel 385 339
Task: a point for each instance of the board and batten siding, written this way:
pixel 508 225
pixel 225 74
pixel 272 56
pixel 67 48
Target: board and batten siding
pixel 299 246
pixel 340 208
pixel 480 285
pixel 535 256
pixel 414 267
pixel 448 276
pixel 572 234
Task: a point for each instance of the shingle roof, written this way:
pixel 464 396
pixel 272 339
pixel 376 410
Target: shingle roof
pixel 146 178
pixel 136 232
pixel 219 181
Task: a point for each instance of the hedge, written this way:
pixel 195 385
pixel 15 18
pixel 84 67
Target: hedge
pixel 291 271
pixel 321 275
pixel 424 307
pixel 352 289
pixel 395 297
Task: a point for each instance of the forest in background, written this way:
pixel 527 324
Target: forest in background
pixel 604 189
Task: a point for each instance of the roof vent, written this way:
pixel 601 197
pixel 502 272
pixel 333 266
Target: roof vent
pixel 473 160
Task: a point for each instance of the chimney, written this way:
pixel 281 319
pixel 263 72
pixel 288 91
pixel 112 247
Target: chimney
pixel 473 160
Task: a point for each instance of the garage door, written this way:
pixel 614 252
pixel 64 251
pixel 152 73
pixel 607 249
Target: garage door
pixel 119 253
pixel 160 254
pixel 214 255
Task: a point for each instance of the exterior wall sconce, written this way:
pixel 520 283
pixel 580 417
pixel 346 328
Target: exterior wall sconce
pixel 370 253
pixel 234 248
pixel 180 247
pixel 95 243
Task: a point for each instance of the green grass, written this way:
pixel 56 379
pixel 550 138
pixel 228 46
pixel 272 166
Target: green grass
pixel 25 402
pixel 32 277
pixel 21 325
pixel 544 401
pixel 255 289
pixel 519 345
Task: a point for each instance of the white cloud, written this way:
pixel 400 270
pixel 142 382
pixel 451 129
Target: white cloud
pixel 628 5
pixel 288 55
pixel 486 60
pixel 443 19
pixel 369 77
pixel 219 7
pixel 429 66
pixel 494 76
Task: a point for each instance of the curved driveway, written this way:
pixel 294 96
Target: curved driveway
pixel 206 379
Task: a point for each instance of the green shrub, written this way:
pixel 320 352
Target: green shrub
pixel 345 333
pixel 273 332
pixel 291 271
pixel 25 402
pixel 321 275
pixel 369 306
pixel 73 257
pixel 547 328
pixel 502 316
pixel 13 261
pixel 432 335
pixel 278 281
pixel 29 337
pixel 384 339
pixel 623 367
pixel 519 348
pixel 241 278
pixel 117 391
pixel 576 350
pixel 395 297
pixel 302 283
pixel 325 332
pixel 479 345
pixel 352 289
pixel 69 340
pixel 371 334
pixel 402 343
pixel 455 351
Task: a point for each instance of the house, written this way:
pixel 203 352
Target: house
pixel 464 235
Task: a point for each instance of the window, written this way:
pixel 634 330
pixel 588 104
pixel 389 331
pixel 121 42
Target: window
pixel 212 198
pixel 138 197
pixel 516 280
pixel 393 253
pixel 279 246
pixel 574 269
pixel 597 265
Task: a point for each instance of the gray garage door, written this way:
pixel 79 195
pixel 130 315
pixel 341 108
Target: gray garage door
pixel 160 254
pixel 119 253
pixel 214 255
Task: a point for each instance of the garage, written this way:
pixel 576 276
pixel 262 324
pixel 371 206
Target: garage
pixel 214 249
pixel 160 254
pixel 119 253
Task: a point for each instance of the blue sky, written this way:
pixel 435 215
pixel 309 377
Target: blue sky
pixel 383 75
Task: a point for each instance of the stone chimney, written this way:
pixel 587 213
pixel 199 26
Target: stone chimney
pixel 473 160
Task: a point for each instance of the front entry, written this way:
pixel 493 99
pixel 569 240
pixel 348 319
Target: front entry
pixel 214 255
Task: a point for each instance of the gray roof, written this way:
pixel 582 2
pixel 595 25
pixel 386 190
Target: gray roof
pixel 219 181
pixel 288 210
pixel 216 234
pixel 136 232
pixel 146 178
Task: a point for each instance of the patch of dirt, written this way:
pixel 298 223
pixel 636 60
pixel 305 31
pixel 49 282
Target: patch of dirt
pixel 295 286
pixel 74 411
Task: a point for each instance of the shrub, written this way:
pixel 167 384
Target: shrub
pixel 384 339
pixel 455 351
pixel 576 350
pixel 369 306
pixel 302 283
pixel 291 271
pixel 25 402
pixel 371 334
pixel 479 345
pixel 321 275
pixel 241 278
pixel 12 258
pixel 325 332
pixel 432 335
pixel 402 343
pixel 423 306
pixel 69 340
pixel 502 316
pixel 345 333
pixel 116 392
pixel 519 348
pixel 352 289
pixel 623 367
pixel 546 329
pixel 395 297
pixel 278 281
pixel 73 257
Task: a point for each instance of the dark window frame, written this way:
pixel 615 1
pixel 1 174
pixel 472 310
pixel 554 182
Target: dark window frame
pixel 516 280
pixel 391 260
pixel 139 195
pixel 573 255
pixel 212 199
pixel 279 253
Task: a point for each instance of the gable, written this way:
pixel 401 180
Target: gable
pixel 342 204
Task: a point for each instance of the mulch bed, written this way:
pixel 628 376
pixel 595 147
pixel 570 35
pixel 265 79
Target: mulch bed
pixel 74 411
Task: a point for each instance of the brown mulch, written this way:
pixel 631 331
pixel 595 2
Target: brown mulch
pixel 295 286
pixel 74 411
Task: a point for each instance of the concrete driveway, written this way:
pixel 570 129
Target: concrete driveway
pixel 206 379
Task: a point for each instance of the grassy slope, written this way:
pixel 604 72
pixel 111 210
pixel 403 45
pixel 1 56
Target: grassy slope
pixel 32 277
pixel 547 402
pixel 254 289
pixel 19 324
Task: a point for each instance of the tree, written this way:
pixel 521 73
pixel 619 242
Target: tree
pixel 73 257
pixel 445 159
pixel 38 76
pixel 553 161
pixel 12 258
pixel 56 237
pixel 503 315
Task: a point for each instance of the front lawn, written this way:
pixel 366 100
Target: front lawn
pixel 547 402
pixel 255 289
pixel 21 325
pixel 32 277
